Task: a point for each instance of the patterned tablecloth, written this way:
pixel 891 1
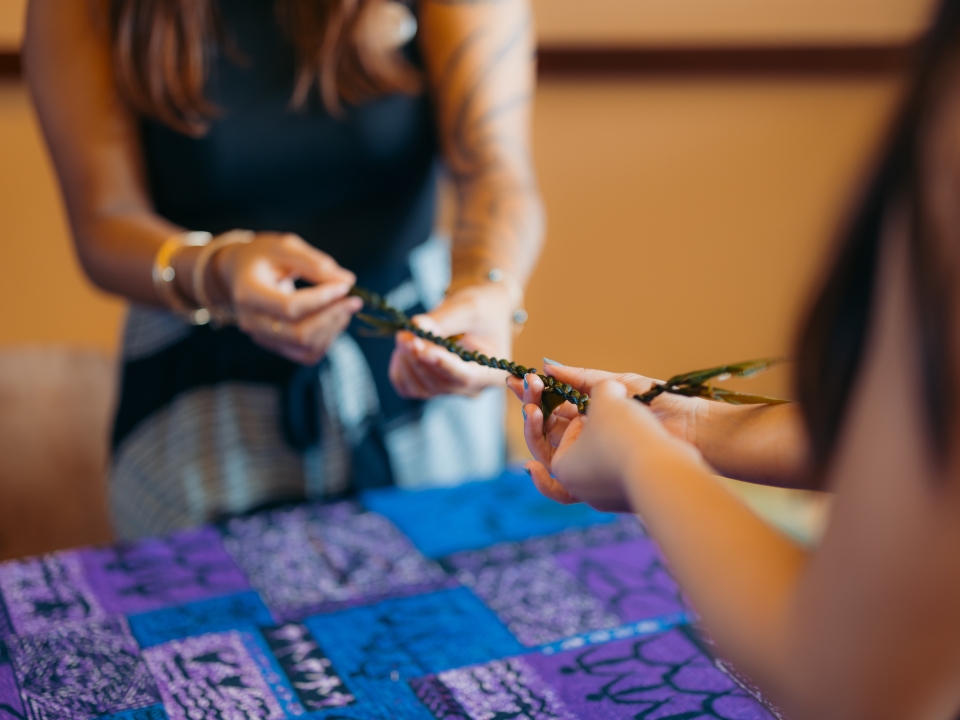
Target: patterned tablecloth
pixel 482 601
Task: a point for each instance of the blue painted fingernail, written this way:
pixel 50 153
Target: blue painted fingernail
pixel 548 361
pixel 528 471
pixel 525 385
pixel 524 414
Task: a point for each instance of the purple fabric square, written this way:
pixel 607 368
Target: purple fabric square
pixel 11 707
pixel 539 601
pixel 211 676
pixel 620 530
pixel 654 677
pixel 43 592
pixel 307 559
pixel 158 573
pixel 630 578
pixel 76 671
pixel 504 689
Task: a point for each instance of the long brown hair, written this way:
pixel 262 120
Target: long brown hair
pixel 834 337
pixel 163 49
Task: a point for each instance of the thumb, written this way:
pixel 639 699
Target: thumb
pixel 448 318
pixel 311 264
pixel 608 390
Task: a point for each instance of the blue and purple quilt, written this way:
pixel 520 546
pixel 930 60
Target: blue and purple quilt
pixel 484 601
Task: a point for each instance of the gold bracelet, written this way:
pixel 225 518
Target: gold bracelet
pixel 219 314
pixel 164 275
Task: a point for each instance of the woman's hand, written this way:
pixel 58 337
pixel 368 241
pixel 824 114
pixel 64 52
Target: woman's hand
pixel 619 439
pixel 258 280
pixel 678 414
pixel 482 314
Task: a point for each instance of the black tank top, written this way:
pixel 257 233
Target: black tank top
pixel 360 187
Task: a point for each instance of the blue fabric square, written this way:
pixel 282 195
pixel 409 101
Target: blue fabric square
pixel 479 514
pixel 243 611
pixel 154 712
pixel 377 649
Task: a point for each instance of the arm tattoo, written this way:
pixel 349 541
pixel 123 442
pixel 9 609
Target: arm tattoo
pixel 483 120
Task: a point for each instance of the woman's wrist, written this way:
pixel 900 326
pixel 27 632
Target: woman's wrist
pixel 499 281
pixel 202 272
pixel 171 279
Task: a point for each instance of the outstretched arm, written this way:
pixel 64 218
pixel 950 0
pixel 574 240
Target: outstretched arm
pixel 479 56
pixel 764 444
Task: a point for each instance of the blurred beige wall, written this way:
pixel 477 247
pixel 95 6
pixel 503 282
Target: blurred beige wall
pixel 685 21
pixel 11 22
pixel 729 22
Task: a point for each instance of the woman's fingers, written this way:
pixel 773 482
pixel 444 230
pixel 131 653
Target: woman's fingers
pixel 585 380
pixel 303 341
pixel 428 383
pixel 271 298
pixel 447 372
pixel 261 276
pixel 412 379
pixel 539 446
pixel 532 388
pixel 556 429
pixel 308 263
pixel 547 485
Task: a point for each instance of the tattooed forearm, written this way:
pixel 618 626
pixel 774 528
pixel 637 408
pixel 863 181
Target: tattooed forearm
pixel 482 76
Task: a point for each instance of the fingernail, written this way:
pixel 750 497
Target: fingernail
pixel 548 361
pixel 528 471
pixel 524 414
pixel 525 385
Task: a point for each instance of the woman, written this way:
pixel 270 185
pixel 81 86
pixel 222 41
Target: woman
pixel 865 626
pixel 248 161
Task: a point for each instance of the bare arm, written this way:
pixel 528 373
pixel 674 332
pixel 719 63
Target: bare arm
pixel 763 444
pixel 479 57
pixel 94 142
pixel 480 61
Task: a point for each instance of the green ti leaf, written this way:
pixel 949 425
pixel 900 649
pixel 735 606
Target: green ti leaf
pixel 730 397
pixel 742 370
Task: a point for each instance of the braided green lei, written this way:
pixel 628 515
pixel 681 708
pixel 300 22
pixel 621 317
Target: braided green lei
pixel 387 320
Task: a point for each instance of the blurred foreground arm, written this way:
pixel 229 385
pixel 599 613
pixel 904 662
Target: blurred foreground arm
pixel 864 627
